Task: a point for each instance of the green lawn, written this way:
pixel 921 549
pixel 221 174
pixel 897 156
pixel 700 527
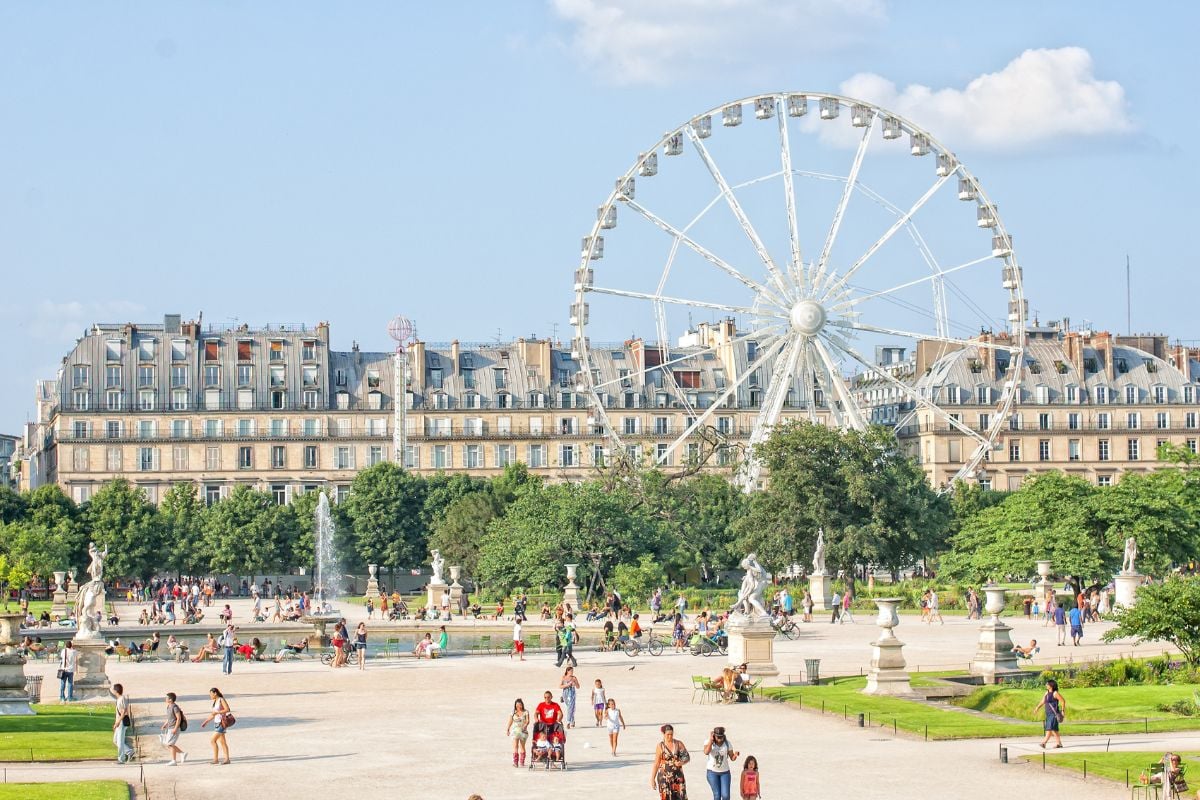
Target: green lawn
pixel 58 733
pixel 1114 765
pixel 1083 705
pixel 1088 710
pixel 76 790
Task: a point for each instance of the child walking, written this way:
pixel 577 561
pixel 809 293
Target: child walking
pixel 615 723
pixel 750 784
pixel 598 703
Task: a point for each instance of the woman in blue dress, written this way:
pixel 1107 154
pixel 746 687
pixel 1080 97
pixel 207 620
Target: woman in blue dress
pixel 1056 708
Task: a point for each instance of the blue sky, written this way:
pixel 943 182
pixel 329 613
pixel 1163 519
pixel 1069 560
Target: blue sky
pixel 296 162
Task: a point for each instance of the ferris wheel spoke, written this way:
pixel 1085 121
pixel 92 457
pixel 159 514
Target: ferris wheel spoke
pixel 849 406
pixel 938 275
pixel 658 298
pixel 777 391
pixel 805 372
pixel 768 352
pixel 704 253
pixel 859 326
pixel 897 225
pixel 762 335
pixel 910 391
pixel 848 190
pixel 731 200
pixel 789 195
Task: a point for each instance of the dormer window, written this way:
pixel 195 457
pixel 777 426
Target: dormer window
pixel 146 350
pixel 244 350
pixel 1131 394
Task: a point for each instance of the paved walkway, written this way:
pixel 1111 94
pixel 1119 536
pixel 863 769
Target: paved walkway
pixel 436 729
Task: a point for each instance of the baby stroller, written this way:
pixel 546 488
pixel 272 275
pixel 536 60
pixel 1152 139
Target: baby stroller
pixel 549 746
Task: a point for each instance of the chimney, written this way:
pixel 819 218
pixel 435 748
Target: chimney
pixel 416 366
pixel 454 357
pixel 1073 349
pixel 171 323
pixel 1103 343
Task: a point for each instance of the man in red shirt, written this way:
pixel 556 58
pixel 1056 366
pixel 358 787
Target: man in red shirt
pixel 548 711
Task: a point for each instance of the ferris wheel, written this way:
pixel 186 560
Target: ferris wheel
pixel 767 258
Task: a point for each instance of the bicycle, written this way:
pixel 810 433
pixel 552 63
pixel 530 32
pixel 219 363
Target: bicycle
pixel 653 644
pixel 788 629
pixel 706 646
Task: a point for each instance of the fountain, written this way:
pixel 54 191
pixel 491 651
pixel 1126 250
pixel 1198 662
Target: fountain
pixel 326 578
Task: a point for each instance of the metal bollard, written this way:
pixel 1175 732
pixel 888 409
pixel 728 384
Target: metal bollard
pixel 1003 754
pixel 862 719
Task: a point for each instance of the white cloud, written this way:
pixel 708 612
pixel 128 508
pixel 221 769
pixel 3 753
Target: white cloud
pixel 663 41
pixel 1040 96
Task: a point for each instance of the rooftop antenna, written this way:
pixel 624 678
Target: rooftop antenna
pixel 499 338
pixel 1128 297
pixel 553 331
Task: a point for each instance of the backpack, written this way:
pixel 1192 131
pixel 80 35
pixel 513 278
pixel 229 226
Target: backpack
pixel 182 720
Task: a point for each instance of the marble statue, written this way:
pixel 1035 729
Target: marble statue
pixel 96 568
pixel 438 563
pixel 819 553
pixel 754 582
pixel 89 601
pixel 1127 564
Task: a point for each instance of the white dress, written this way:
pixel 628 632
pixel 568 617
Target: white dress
pixel 614 720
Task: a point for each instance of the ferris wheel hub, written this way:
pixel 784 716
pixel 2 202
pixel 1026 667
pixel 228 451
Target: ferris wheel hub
pixel 808 317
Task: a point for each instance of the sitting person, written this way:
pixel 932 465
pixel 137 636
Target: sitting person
pixel 635 627
pixel 291 649
pixel 113 619
pixel 209 648
pixel 176 648
pixel 476 610
pixel 741 683
pixel 424 647
pixel 144 617
pixel 499 610
pixel 622 632
pixel 44 620
pixel 1171 774
pixel 194 616
pixel 251 651
pixel 1026 652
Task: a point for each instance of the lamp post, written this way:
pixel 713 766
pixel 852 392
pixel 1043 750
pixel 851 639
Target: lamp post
pixel 402 330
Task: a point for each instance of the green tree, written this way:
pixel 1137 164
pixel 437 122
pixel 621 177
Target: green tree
pixel 441 491
pixel 458 533
pixel 385 510
pixel 1052 516
pixel 872 501
pixel 1164 612
pixel 636 582
pixel 181 516
pixel 548 526
pixel 242 536
pixel 1160 509
pixel 697 513
pixel 12 505
pixel 121 519
pixel 39 550
pixel 50 509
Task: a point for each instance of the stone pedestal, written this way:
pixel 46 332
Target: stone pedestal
pixel 456 589
pixel 434 593
pixel 13 697
pixel 14 700
pixel 994 657
pixel 888 675
pixel 820 588
pixel 571 592
pixel 1044 588
pixel 72 588
pixel 58 607
pixel 752 642
pixel 373 581
pixel 91 679
pixel 1127 589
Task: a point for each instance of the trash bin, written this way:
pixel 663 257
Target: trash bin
pixel 812 666
pixel 33 687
